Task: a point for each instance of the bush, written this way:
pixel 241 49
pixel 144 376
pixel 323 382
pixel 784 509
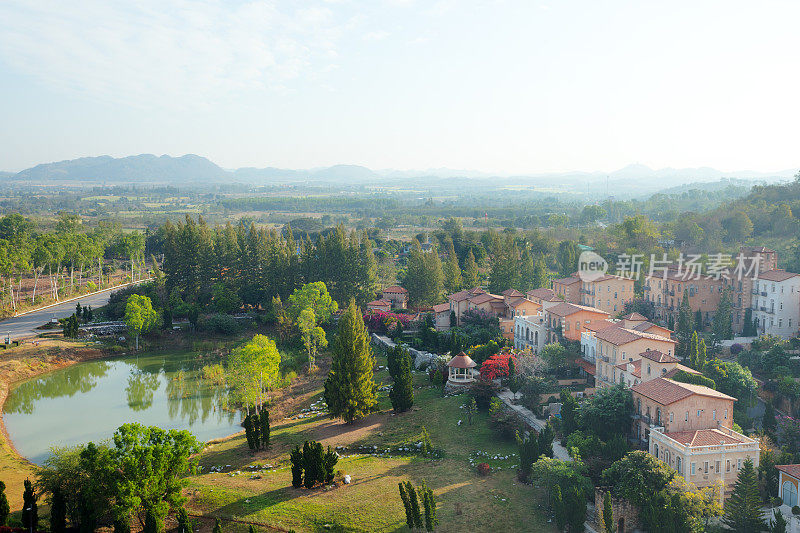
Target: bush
pixel 777 502
pixel 484 469
pixel 483 390
pixel 796 510
pixel 219 323
pixel 736 349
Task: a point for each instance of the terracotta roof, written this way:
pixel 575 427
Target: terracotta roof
pixel 475 291
pixel 514 302
pixel 485 297
pixel 440 308
pixel 666 391
pixel 644 327
pixel 678 368
pixel 597 325
pixel 542 293
pixel 459 296
pixel 637 367
pixel 619 336
pixel 706 437
pixel 395 289
pixel 588 366
pixel 511 292
pixel 567 281
pixel 634 316
pixel 757 250
pixel 792 470
pixel 379 303
pixel 462 360
pixel 776 275
pixel 566 309
pixel 607 277
pixel 658 357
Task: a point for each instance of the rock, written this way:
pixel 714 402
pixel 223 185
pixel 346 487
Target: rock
pixel 347 479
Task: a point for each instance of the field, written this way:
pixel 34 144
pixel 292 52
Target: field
pixel 257 487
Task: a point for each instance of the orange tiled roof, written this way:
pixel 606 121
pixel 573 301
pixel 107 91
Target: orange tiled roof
pixel 679 367
pixel 566 309
pixel 665 391
pixel 379 303
pixel 462 360
pixel 511 292
pixel 485 297
pixel 395 289
pixel 542 293
pixel 658 357
pixel 619 336
pixel 567 281
pixel 587 366
pixel 792 470
pixel 634 317
pixel 705 437
pixel 440 308
pixel 637 367
pixel 597 325
pixel 776 275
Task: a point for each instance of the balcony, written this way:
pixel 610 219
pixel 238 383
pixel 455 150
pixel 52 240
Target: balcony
pixel 763 293
pixel 604 358
pixel 636 416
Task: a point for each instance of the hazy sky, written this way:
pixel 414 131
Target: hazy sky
pixel 507 86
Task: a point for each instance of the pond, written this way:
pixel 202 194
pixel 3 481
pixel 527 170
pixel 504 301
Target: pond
pixel 89 401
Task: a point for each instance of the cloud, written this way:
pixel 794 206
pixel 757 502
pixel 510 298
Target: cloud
pixel 168 53
pixel 376 36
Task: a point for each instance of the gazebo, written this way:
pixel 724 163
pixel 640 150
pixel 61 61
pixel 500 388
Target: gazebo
pixel 461 370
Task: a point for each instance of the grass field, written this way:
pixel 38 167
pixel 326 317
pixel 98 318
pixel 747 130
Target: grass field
pixel 257 487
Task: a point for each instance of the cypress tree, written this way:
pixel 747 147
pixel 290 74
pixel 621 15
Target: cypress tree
pixel 5 509
pixel 429 506
pixel 252 529
pixel 329 463
pixel 30 507
pixel 452 271
pixel 472 276
pixel 309 465
pixel 671 322
pixel 541 276
pixel 685 326
pixel 402 393
pixel 692 351
pixel 393 356
pixel 608 513
pixel 350 389
pixel 217 526
pixel 416 514
pixel 545 441
pixel 264 428
pixel 527 271
pixel 575 504
pixel 256 425
pixel 743 507
pixel 296 458
pixel 768 422
pixel 698 320
pixel 58 512
pixel 700 360
pixel 559 508
pixel 406 505
pixel 722 323
pixel 569 413
pixel 528 453
pixel 248 432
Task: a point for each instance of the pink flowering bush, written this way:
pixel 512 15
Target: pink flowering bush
pixel 383 322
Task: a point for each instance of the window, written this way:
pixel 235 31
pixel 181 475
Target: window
pixel 705 467
pixel 692 468
pixel 699 411
pixel 687 416
pixel 718 467
pixel 678 465
pixel 728 465
pixel 726 414
pixel 714 414
pixel 672 417
pixel 739 464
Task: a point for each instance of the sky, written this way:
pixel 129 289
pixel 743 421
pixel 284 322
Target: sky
pixel 497 86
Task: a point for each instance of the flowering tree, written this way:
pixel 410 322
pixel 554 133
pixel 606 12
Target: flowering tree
pixel 382 322
pixel 496 366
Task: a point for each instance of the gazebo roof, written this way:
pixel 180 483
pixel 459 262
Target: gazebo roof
pixel 462 360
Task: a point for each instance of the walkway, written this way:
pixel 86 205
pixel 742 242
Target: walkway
pixel 559 452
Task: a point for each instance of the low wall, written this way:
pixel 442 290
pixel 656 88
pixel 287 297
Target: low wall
pixel 421 359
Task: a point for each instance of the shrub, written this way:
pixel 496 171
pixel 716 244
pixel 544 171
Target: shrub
pixel 219 323
pixel 484 469
pixel 796 510
pixel 483 390
pixel 496 366
pixel 736 349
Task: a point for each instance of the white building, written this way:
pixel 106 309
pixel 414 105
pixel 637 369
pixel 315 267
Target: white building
pixel 530 332
pixel 776 303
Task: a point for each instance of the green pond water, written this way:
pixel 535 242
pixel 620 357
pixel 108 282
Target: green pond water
pixel 89 401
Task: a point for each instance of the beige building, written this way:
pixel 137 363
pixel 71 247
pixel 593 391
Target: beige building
pixel 568 289
pixel 506 307
pixel 569 320
pixel 397 296
pixel 609 293
pixel 651 364
pixel 666 292
pixel 441 316
pixel 616 345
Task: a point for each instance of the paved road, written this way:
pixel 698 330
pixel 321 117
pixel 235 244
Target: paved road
pixel 25 326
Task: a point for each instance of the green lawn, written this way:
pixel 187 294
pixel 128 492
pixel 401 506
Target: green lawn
pixel 465 501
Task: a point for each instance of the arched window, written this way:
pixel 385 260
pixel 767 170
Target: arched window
pixel 789 494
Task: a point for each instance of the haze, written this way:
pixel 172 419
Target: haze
pixel 504 86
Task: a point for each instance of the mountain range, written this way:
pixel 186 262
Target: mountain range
pixel 193 169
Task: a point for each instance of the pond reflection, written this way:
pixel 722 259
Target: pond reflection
pixel 88 401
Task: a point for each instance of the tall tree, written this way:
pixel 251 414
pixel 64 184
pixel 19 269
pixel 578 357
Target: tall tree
pixel 313 336
pixel 568 253
pixel 700 359
pixel 350 389
pixel 254 370
pixel 5 509
pixel 722 324
pixel 424 279
pixel 472 276
pixel 504 273
pixel 140 317
pixel 608 513
pixel 541 276
pixel 684 327
pixel 312 296
pixel 743 507
pixel 569 413
pixel 694 343
pixel 453 280
pixel 30 507
pixel 402 393
pixel 527 271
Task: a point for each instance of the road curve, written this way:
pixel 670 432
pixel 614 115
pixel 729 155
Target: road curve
pixel 20 327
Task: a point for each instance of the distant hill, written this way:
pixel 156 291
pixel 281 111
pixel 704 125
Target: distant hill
pixel 145 167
